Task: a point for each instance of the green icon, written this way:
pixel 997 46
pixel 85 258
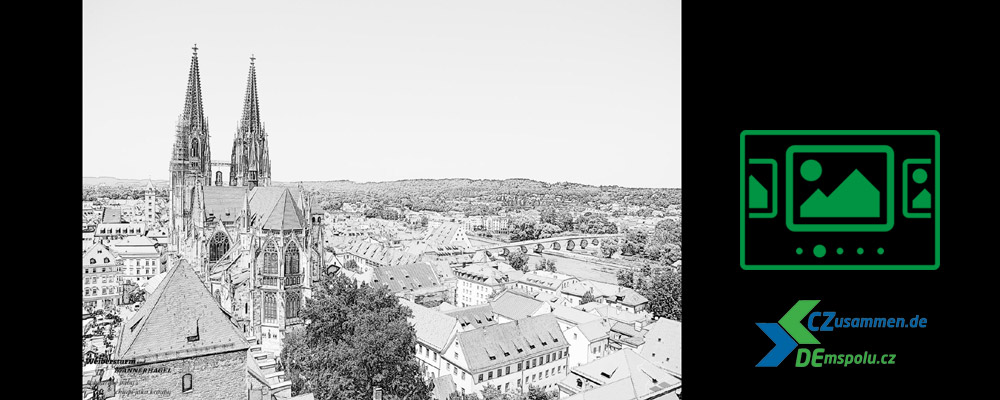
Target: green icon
pixel 855 197
pixel 923 200
pixel 758 194
pixel 849 190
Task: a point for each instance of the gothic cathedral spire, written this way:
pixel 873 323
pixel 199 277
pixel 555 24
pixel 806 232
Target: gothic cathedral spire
pixel 251 164
pixel 190 162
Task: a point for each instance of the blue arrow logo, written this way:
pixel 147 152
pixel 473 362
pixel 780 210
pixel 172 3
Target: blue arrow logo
pixel 783 344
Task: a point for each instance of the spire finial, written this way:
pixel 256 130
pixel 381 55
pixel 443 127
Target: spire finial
pixel 195 48
pixel 252 58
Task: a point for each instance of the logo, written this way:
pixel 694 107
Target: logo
pixel 840 200
pixel 789 333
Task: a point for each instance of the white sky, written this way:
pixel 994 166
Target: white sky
pixel 569 90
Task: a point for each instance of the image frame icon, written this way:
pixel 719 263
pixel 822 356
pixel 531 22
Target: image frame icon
pixel 906 187
pixel 790 183
pixel 774 189
pixel 936 207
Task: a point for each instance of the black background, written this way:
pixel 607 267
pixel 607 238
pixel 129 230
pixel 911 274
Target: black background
pixel 835 66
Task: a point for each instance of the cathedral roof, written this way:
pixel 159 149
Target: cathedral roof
pixel 275 208
pixel 180 319
pixel 224 202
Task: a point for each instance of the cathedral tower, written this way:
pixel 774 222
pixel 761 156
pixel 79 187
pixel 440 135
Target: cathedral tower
pixel 190 162
pixel 251 164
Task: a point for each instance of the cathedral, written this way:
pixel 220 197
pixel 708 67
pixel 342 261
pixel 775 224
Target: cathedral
pixel 257 247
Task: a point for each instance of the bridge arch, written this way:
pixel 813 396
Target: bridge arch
pixel 524 249
pixel 570 245
pixel 583 244
pixel 595 242
pixel 556 246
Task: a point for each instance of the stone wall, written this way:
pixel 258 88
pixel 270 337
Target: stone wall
pixel 216 376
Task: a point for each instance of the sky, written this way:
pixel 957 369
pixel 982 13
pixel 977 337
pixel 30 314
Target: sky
pixel 553 90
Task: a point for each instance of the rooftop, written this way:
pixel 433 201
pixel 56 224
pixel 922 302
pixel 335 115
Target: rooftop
pixel 180 319
pixel 497 345
pixel 433 327
pixel 622 375
pixel 516 306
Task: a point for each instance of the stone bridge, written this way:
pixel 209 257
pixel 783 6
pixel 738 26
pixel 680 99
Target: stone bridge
pixel 553 243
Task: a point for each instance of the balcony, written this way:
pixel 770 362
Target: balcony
pixel 293 280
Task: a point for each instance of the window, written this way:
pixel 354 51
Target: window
pixel 480 377
pixel 270 259
pixel 489 376
pixel 519 382
pixel 187 384
pixel 463 374
pixel 546 373
pixel 507 370
pixel 506 386
pixel 270 308
pixel 499 372
pixel 86 292
pixel 435 356
pixel 106 261
pixel 217 247
pixel 518 366
pixel 93 261
pixel 194 147
pixel 547 358
pixel 534 362
pixel 292 306
pixel 291 259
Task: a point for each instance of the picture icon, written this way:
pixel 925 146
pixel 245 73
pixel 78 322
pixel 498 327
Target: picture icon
pixel 871 193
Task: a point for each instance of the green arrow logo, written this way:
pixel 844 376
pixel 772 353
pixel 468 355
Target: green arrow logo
pixel 792 322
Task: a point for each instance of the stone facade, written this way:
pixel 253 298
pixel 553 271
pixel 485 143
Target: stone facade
pixel 216 377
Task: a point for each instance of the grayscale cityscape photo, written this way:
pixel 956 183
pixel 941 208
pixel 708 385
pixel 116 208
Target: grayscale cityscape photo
pixel 435 199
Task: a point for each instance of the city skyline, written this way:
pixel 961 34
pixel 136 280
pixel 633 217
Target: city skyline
pixel 586 94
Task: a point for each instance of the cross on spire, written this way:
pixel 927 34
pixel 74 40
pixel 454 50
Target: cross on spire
pixel 195 48
pixel 252 58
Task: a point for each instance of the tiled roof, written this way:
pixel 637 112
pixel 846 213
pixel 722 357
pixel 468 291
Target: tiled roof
pixel 224 202
pixel 482 274
pixel 663 344
pixel 545 279
pixel 606 310
pixel 98 252
pixel 111 216
pixel 503 344
pixel 444 234
pixel 641 378
pixel 477 316
pixel 573 316
pixel 629 297
pixel 408 277
pixel 276 208
pixel 433 327
pixel 515 306
pixel 595 330
pixel 134 245
pixel 629 334
pixel 180 309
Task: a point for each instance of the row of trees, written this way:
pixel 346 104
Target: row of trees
pixel 554 222
pixel 662 246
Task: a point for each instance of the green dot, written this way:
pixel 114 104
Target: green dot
pixel 798 251
pixel 861 251
pixel 920 176
pixel 811 170
pixel 840 250
pixel 819 251
pixel 881 251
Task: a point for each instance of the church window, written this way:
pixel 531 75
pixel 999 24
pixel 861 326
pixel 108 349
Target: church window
pixel 187 383
pixel 194 148
pixel 270 308
pixel 292 259
pixel 270 259
pixel 292 306
pixel 218 247
pixel 218 178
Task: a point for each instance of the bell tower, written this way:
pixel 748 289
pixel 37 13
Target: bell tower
pixel 190 161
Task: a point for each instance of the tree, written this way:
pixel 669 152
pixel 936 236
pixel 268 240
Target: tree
pixel 518 260
pixel 626 278
pixel 589 297
pixel 546 230
pixel 635 242
pixel 463 396
pixel 546 264
pixel 664 293
pixel 351 265
pixel 356 338
pixel 609 247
